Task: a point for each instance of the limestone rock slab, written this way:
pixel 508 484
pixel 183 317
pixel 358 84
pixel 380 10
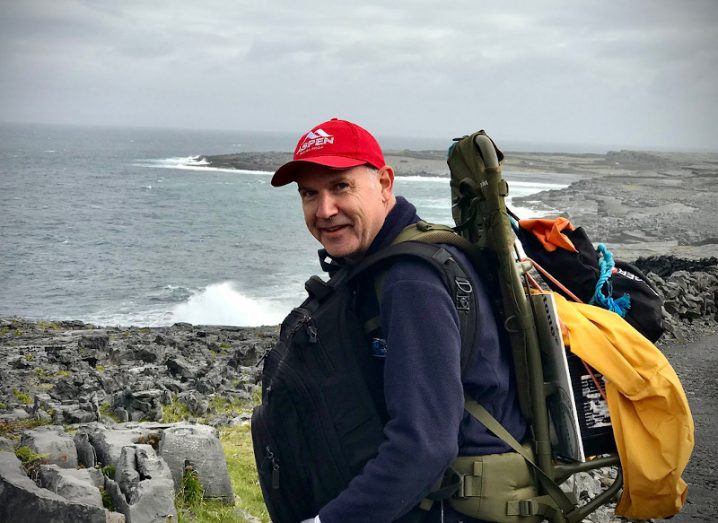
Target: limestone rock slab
pixel 22 500
pixel 200 445
pixel 53 442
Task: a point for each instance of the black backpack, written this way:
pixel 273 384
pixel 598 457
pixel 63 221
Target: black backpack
pixel 322 413
pixel 580 271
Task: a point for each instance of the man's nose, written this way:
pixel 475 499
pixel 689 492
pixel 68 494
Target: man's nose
pixel 326 207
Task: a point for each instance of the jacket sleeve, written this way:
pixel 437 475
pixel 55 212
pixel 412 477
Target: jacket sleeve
pixel 424 398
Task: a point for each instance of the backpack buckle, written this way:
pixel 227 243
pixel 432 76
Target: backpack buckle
pixel 524 507
pixel 463 294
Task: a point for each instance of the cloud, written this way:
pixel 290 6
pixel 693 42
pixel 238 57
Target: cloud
pixel 549 70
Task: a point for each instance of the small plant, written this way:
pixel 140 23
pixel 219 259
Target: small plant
pixel 48 326
pixel 191 491
pixel 41 373
pixel 106 411
pixel 100 368
pixel 109 471
pixel 175 411
pixel 2 405
pixel 12 429
pixel 107 500
pixel 4 330
pixel 22 397
pixel 62 373
pixel 31 461
pixel 225 346
pixel 29 357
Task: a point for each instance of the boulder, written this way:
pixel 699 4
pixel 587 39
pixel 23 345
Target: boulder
pixel 143 489
pixel 79 485
pixel 181 368
pixel 22 500
pixel 94 342
pixel 16 414
pixel 7 445
pixel 86 455
pixel 54 443
pixel 196 402
pixel 108 443
pixel 200 445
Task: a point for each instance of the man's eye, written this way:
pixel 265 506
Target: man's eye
pixel 342 186
pixel 305 195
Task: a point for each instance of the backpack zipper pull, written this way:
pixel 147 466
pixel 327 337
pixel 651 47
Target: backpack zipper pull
pixel 275 467
pixel 312 333
pixel 275 475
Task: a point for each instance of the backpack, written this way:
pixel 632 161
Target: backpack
pixel 322 385
pixel 579 271
pixel 481 216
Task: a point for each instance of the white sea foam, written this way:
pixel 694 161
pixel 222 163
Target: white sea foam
pixel 195 163
pixel 440 179
pixel 223 304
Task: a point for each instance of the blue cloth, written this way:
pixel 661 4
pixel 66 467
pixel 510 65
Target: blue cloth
pixel 428 426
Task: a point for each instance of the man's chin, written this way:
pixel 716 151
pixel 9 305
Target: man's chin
pixel 336 251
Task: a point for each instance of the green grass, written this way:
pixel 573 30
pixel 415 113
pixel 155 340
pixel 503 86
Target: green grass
pixel 12 429
pixel 109 471
pixel 237 444
pixel 106 411
pixel 22 397
pixel 175 411
pixel 107 500
pixel 48 326
pixel 228 406
pixel 30 459
pixel 41 373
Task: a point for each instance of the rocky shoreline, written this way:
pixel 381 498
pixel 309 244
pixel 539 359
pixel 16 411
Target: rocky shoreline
pixel 131 385
pixel 141 401
pixel 119 388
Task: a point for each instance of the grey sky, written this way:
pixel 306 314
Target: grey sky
pixel 638 73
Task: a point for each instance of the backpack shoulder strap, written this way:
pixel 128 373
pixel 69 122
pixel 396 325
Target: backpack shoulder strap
pixel 451 272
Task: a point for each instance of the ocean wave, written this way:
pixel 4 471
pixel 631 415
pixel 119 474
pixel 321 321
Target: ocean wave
pixel 222 304
pixel 195 163
pixel 442 179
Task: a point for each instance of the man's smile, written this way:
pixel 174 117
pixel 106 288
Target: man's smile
pixel 333 229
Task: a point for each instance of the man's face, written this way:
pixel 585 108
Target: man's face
pixel 344 210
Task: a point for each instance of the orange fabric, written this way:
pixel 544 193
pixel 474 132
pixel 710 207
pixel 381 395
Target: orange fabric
pixel 651 419
pixel 549 232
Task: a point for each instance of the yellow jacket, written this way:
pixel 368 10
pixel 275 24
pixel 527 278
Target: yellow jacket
pixel 651 420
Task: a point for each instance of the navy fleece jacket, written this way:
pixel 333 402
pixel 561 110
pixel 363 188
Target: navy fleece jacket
pixel 424 389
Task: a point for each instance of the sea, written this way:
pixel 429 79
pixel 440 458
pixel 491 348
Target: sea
pixel 126 226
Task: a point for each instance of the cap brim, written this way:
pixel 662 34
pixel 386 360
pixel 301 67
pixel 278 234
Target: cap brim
pixel 288 172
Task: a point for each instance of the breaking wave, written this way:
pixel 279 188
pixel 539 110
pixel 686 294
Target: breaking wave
pixel 194 163
pixel 223 304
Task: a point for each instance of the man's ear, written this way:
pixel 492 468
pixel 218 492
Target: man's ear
pixel 386 180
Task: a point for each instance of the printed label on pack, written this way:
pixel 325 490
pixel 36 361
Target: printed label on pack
pixel 595 409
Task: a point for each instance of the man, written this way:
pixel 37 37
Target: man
pixel 347 195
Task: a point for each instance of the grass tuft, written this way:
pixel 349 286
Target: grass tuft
pixel 22 397
pixel 175 411
pixel 109 471
pixel 31 461
pixel 107 500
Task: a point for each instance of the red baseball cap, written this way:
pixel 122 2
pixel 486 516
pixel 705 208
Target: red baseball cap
pixel 337 144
